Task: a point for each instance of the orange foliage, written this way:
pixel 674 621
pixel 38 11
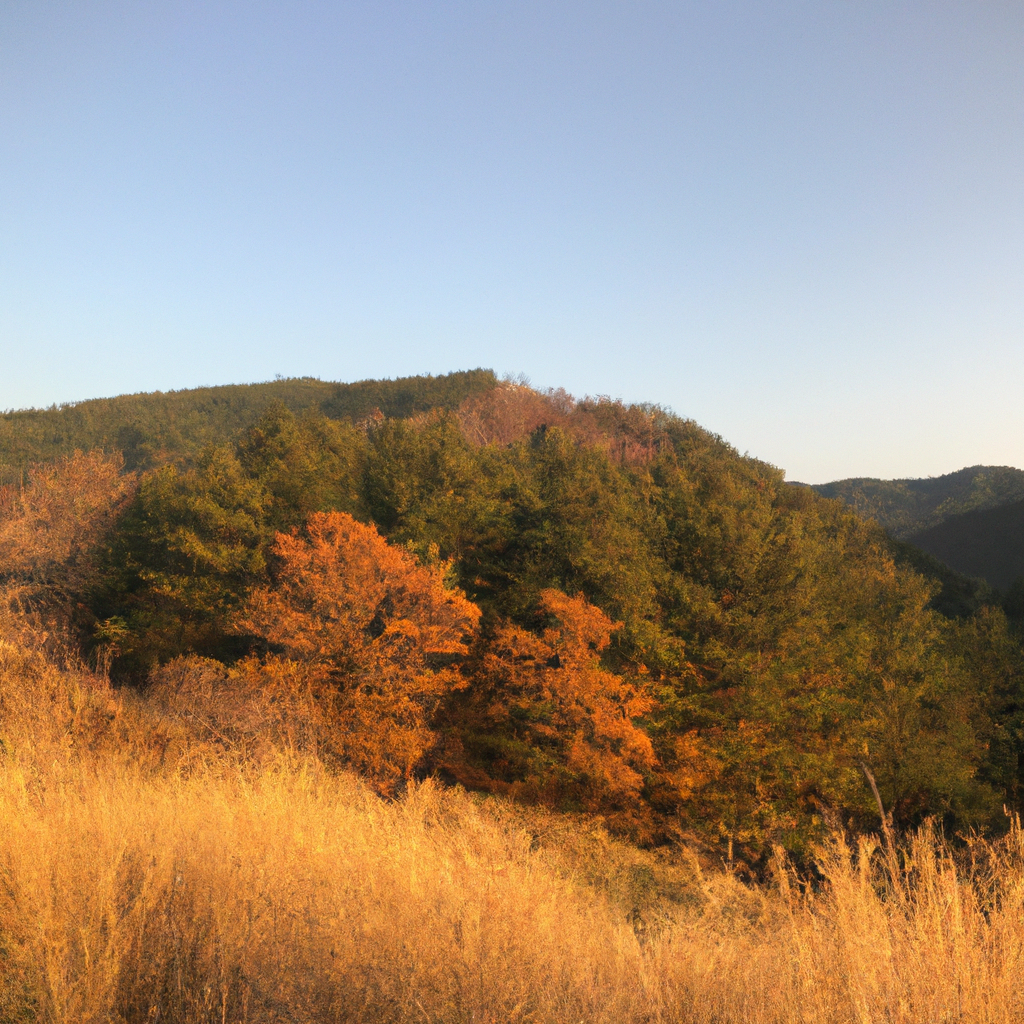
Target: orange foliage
pixel 511 412
pixel 552 691
pixel 50 528
pixel 384 631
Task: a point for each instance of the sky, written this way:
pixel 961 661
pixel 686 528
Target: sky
pixel 799 223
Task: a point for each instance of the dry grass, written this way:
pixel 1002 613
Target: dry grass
pixel 136 886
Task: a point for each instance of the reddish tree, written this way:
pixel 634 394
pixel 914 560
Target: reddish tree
pixel 385 631
pixel 557 726
pixel 512 411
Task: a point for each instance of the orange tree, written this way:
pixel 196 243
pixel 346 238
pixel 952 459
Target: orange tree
pixel 544 721
pixel 385 632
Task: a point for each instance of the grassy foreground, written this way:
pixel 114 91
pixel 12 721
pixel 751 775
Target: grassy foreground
pixel 144 881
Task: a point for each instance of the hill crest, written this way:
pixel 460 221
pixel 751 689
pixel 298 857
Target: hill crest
pixel 909 506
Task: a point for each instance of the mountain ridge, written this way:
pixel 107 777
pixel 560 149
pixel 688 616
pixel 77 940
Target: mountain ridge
pixel 971 520
pixel 910 505
pixel 151 428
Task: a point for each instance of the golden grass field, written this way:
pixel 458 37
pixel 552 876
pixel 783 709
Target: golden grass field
pixel 142 879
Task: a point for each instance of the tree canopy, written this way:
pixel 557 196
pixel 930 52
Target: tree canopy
pixel 596 606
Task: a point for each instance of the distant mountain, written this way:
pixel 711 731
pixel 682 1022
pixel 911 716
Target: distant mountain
pixel 908 508
pixel 987 543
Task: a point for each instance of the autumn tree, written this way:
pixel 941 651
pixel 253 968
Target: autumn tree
pixel 51 531
pixel 385 632
pixel 548 722
pixel 511 412
pixel 50 527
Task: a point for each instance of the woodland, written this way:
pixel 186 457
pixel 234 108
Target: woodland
pixel 577 605
pixel 449 700
pixel 908 507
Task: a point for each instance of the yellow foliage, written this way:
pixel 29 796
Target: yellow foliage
pixel 283 892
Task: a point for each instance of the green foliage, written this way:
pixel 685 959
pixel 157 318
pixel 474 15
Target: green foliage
pixel 986 543
pixel 426 484
pixel 905 507
pixel 188 549
pixel 578 525
pixel 785 641
pixel 814 652
pixel 154 429
pixel 787 645
pixel 956 596
pixel 306 464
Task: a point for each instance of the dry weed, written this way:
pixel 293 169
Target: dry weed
pixel 190 888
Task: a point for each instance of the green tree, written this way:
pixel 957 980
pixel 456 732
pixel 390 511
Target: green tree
pixel 306 464
pixel 185 554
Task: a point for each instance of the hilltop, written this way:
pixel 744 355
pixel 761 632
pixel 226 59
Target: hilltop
pixel 156 428
pixel 906 507
pixel 972 520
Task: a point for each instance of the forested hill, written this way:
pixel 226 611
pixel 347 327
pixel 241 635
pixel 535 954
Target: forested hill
pixel 987 543
pixel 152 429
pixel 597 607
pixel 906 507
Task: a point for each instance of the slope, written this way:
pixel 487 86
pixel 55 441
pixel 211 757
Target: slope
pixel 152 429
pixel 906 507
pixel 987 543
pixel 665 633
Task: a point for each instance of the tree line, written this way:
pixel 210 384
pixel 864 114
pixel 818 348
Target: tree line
pixel 588 605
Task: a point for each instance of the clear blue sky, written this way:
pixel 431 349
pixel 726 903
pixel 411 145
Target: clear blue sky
pixel 801 224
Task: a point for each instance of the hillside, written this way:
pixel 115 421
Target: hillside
pixel 986 543
pixel 906 507
pixel 149 877
pixel 592 607
pixel 152 429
